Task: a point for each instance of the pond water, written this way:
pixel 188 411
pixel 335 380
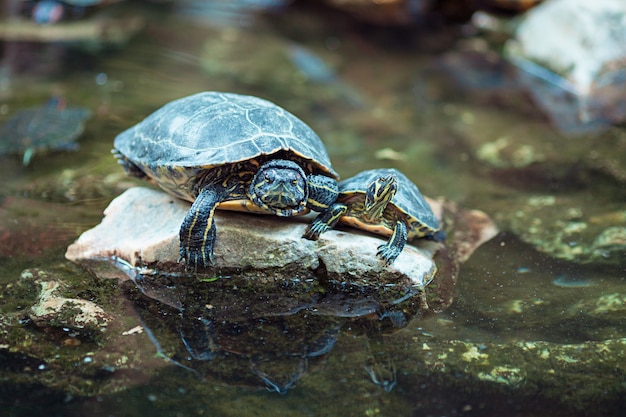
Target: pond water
pixel 538 322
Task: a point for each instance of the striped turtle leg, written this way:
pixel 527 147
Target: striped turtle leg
pixel 197 233
pixel 323 191
pixel 325 220
pixel 197 337
pixel 390 250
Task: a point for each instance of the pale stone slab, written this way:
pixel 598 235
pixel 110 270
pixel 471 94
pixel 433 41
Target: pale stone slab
pixel 141 226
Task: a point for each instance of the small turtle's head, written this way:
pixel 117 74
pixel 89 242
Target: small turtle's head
pixel 280 186
pixel 379 193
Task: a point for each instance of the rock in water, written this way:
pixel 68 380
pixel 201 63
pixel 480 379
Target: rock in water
pixel 570 55
pixel 141 227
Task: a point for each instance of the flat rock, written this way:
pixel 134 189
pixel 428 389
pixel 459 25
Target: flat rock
pixel 141 227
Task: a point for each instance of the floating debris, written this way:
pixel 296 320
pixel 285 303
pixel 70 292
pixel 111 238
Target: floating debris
pixel 98 29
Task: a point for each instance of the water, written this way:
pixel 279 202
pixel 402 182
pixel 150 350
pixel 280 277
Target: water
pixel 383 102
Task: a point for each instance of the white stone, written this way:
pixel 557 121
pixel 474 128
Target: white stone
pixel 141 226
pixel 574 38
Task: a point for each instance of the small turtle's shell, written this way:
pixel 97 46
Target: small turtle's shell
pixel 408 202
pixel 42 128
pixel 188 136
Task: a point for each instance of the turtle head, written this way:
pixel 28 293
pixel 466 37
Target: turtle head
pixel 379 193
pixel 280 186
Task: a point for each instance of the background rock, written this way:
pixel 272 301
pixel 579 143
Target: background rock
pixel 570 54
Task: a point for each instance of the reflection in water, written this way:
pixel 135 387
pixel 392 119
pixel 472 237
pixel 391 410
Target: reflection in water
pixel 380 365
pixel 253 334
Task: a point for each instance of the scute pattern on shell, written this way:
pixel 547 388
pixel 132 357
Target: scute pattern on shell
pixel 421 220
pixel 210 129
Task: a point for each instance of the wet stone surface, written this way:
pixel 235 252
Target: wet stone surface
pixel 141 226
pixel 54 310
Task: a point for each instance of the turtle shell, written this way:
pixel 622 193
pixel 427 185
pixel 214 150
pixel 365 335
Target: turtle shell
pixel 211 129
pixel 408 202
pixel 42 128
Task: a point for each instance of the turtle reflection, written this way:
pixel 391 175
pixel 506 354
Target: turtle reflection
pixel 267 335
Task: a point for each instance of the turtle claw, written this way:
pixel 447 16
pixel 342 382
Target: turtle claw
pixel 388 253
pixel 325 221
pixel 195 258
pixel 315 229
pixel 129 167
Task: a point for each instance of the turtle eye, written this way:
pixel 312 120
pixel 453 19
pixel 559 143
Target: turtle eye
pixel 294 182
pixel 267 178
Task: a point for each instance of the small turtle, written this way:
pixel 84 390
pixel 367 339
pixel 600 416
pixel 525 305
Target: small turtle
pixel 382 201
pixel 239 152
pixel 53 126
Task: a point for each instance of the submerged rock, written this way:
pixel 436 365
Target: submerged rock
pixel 567 228
pixel 54 310
pixel 553 184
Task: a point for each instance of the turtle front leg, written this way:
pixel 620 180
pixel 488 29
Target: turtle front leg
pixel 323 192
pixel 197 233
pixel 390 250
pixel 325 220
pixel 129 167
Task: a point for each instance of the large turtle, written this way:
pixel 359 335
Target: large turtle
pixel 382 201
pixel 37 129
pixel 242 151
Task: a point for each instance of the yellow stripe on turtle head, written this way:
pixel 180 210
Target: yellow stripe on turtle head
pixel 378 194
